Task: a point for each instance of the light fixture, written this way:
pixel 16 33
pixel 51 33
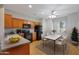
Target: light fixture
pixel 52 16
pixel 54 12
pixel 49 16
pixel 30 6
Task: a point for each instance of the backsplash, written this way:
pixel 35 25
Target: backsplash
pixel 7 31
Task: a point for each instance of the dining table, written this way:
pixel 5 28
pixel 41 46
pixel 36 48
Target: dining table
pixel 53 37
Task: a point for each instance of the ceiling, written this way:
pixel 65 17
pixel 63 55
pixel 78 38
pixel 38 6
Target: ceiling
pixel 42 10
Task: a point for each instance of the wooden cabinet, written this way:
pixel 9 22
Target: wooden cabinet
pixel 8 21
pixel 20 22
pixel 17 23
pixel 19 50
pixel 11 22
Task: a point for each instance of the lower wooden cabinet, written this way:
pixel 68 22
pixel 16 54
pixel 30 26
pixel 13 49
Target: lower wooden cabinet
pixel 19 50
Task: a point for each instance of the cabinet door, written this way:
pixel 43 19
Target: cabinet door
pixel 8 21
pixel 18 23
pixel 15 23
pixel 21 22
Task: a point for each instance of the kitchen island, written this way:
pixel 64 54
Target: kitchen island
pixel 19 48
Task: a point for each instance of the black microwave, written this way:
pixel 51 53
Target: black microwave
pixel 26 26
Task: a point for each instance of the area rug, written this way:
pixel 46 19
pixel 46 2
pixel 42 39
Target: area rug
pixel 49 50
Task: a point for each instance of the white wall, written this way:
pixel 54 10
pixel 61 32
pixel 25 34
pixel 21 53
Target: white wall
pixel 1 25
pixel 71 23
pixel 71 20
pixel 77 20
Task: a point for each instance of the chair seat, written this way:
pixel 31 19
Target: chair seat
pixel 44 39
pixel 59 42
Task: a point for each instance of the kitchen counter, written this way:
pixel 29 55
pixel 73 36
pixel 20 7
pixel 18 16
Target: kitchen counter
pixel 8 45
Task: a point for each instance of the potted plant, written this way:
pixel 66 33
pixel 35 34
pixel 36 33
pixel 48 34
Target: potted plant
pixel 74 36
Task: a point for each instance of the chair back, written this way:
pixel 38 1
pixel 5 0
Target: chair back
pixel 61 40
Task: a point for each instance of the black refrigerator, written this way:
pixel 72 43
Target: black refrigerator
pixel 38 30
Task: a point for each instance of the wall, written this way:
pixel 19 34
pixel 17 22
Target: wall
pixel 19 15
pixel 77 20
pixel 1 25
pixel 71 21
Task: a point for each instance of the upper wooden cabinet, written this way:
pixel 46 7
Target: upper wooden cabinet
pixel 11 22
pixel 17 23
pixel 21 22
pixel 8 21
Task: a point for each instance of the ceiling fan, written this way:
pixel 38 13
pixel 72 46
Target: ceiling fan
pixel 53 14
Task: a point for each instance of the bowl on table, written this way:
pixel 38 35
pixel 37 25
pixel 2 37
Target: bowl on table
pixel 14 39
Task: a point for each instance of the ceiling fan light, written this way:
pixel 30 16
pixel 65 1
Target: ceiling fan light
pixel 53 16
pixel 54 12
pixel 49 16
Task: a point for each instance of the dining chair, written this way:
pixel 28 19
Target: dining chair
pixel 45 42
pixel 61 42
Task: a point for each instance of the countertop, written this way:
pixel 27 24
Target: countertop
pixel 8 45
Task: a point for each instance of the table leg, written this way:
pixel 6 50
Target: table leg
pixel 54 47
pixel 43 43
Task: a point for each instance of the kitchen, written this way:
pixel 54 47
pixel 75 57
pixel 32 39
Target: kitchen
pixel 36 29
pixel 19 33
